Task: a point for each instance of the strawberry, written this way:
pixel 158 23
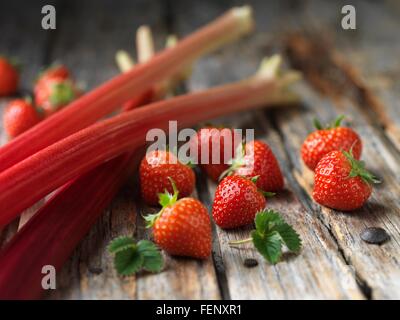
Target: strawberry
pixel 236 202
pixel 182 227
pixel 19 116
pixel 256 159
pixel 155 170
pixel 55 71
pixel 9 77
pixel 54 93
pixel 324 140
pixel 342 182
pixel 210 142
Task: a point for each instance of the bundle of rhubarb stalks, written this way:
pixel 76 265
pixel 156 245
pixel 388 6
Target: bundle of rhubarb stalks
pixel 82 159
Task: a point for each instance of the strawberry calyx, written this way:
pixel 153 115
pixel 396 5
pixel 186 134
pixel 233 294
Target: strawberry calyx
pixel 236 162
pixel 165 199
pixel 264 193
pixel 62 93
pixel 334 124
pixel 358 169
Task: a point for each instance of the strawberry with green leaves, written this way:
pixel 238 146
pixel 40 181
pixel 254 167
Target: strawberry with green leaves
pixel 271 233
pixel 327 139
pixel 256 159
pixel 9 76
pixel 182 227
pixel 210 143
pixel 155 171
pixel 19 116
pixel 236 202
pixel 131 257
pixel 342 182
pixel 54 93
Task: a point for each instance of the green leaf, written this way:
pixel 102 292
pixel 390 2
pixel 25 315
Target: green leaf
pixel 289 236
pixel 128 261
pixel 271 232
pixel 269 245
pixel 153 260
pixel 131 257
pixel 121 243
pixel 265 220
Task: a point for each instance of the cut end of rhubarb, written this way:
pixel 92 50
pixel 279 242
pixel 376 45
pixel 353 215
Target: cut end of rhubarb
pixel 270 66
pixel 172 40
pixel 124 61
pixel 244 15
pixel 144 43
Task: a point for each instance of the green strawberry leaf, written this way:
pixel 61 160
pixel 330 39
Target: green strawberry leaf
pixel 121 243
pixel 153 260
pixel 265 220
pixel 131 257
pixel 128 261
pixel 269 245
pixel 271 233
pixel 289 236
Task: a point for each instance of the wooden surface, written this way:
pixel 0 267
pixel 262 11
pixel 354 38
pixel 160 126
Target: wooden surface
pixel 353 72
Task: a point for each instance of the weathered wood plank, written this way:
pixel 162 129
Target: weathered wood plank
pixel 320 271
pixel 377 268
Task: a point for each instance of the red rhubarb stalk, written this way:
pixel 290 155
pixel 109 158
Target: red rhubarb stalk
pixel 57 228
pixel 51 235
pixel 48 169
pixel 109 96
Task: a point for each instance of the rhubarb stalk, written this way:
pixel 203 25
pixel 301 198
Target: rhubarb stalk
pixel 36 176
pixel 109 96
pixel 57 228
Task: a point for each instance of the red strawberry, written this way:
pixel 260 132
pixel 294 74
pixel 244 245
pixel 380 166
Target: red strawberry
pixel 54 93
pixel 236 202
pixel 55 71
pixel 210 143
pixel 324 140
pixel 259 161
pixel 156 168
pixel 182 227
pixel 19 116
pixel 341 182
pixel 9 77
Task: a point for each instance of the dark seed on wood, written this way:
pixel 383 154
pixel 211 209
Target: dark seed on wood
pixel 250 263
pixel 95 270
pixel 374 235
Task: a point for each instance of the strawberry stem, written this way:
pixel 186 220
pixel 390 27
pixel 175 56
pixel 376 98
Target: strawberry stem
pixel 238 242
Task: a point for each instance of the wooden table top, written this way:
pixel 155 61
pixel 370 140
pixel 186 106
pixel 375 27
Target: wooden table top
pixel 352 72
